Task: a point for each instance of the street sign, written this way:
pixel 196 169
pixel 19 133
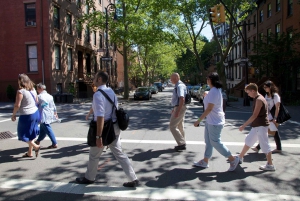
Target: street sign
pixel 244 59
pixel 106 58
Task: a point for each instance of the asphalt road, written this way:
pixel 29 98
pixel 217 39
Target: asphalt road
pixel 163 173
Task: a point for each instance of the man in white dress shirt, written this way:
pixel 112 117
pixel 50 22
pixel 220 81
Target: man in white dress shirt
pixel 103 109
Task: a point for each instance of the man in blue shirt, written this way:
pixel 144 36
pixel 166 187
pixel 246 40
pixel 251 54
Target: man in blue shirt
pixel 178 112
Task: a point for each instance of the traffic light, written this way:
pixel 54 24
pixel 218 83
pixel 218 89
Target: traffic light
pixel 222 13
pixel 214 14
pixel 217 13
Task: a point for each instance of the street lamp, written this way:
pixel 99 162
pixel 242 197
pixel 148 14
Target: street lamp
pixel 108 59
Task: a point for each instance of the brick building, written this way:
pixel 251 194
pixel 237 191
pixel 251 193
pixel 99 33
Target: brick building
pixel 41 39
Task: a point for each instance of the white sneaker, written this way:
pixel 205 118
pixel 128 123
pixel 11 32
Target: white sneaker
pixel 233 164
pixel 267 167
pixel 241 160
pixel 201 163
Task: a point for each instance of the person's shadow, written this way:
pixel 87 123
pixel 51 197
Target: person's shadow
pixel 150 154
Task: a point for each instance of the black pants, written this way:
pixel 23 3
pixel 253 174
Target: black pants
pixel 277 141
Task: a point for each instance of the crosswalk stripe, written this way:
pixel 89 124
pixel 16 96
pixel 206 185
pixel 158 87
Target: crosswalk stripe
pixel 138 192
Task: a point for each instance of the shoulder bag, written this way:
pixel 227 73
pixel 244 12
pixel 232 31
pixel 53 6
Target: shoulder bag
pixel 108 132
pixel 283 114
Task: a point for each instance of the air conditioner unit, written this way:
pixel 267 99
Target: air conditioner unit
pixel 30 23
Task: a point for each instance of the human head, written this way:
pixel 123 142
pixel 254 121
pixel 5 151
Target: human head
pixel 270 88
pixel 40 87
pixel 25 82
pixel 252 90
pixel 174 78
pixel 100 78
pixel 214 80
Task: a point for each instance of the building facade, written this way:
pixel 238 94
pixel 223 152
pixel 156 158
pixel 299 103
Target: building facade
pixel 43 40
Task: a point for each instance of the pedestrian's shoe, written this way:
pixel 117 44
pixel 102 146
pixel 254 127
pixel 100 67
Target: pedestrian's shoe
pixel 234 163
pixel 37 142
pixel 255 149
pixel 241 160
pixel 83 180
pixel 180 147
pixel 276 151
pixel 267 167
pixel 201 163
pixel 52 147
pixel 131 184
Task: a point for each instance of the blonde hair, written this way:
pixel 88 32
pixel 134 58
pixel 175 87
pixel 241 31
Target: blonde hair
pixel 251 86
pixel 25 82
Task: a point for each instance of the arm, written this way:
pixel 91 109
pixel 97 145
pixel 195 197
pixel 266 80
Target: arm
pixel 17 105
pixel 209 108
pixel 258 105
pixel 181 102
pixel 100 124
pixel 89 113
pixel 277 107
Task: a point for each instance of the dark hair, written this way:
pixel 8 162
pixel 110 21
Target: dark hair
pixel 104 76
pixel 273 88
pixel 215 81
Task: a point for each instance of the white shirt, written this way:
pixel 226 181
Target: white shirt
pixel 216 116
pixel 46 107
pixel 28 104
pixel 102 107
pixel 271 102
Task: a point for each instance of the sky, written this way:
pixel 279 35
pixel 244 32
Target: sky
pixel 206 32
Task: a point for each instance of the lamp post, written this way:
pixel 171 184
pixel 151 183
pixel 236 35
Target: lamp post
pixel 108 59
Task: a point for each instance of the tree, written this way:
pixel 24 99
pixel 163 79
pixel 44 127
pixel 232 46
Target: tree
pixel 236 10
pixel 279 57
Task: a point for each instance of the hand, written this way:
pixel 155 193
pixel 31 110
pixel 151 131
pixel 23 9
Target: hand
pixel 87 116
pixel 56 116
pixel 241 128
pixel 197 123
pixel 99 143
pixel 13 118
pixel 274 121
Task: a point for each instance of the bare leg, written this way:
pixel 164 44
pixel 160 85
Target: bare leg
pixel 244 151
pixel 269 158
pixel 206 160
pixel 231 158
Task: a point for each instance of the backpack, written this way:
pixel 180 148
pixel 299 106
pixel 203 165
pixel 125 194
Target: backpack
pixel 122 116
pixel 187 98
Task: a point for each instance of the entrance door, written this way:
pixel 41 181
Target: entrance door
pixel 88 63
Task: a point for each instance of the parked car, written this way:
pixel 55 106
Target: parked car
pixel 142 93
pixel 189 88
pixel 224 96
pixel 197 96
pixel 201 93
pixel 158 85
pixel 154 89
pixel 194 90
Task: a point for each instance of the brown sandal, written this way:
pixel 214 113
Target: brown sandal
pixel 37 152
pixel 52 147
pixel 26 156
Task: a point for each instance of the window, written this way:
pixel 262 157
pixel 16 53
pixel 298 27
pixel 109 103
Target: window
pixel 79 30
pixel 56 18
pixel 269 10
pixel 290 8
pixel 254 21
pixel 59 88
pixel 57 56
pixel 69 24
pixel 254 41
pixel 30 18
pixel 116 69
pixel 100 41
pixel 87 9
pixel 261 16
pixel 99 1
pixel 78 3
pixel 277 5
pixel 269 31
pixel 249 44
pixel 277 30
pixel 95 38
pixel 248 25
pixel 70 63
pixel 101 64
pixel 261 36
pixel 95 64
pixel 87 35
pixel 32 58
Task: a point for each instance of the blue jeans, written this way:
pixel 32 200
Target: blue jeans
pixel 213 140
pixel 45 129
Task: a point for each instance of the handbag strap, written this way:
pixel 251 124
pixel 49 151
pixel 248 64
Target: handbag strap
pixel 107 97
pixel 36 103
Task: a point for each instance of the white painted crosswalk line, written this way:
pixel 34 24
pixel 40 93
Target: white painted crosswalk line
pixel 140 192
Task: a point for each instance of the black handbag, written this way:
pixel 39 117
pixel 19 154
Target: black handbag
pixel 108 133
pixel 283 114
